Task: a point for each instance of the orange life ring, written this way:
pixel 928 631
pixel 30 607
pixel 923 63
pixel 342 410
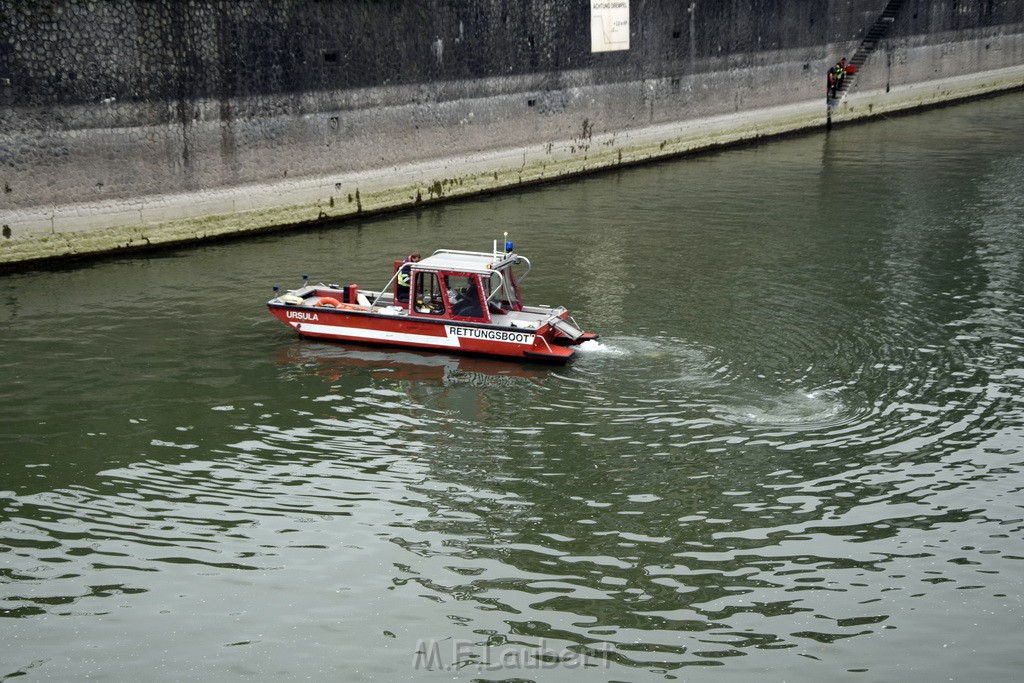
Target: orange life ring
pixel 328 301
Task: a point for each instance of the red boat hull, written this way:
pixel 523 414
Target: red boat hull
pixel 418 333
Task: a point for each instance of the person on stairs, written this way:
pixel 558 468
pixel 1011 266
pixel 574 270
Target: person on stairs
pixel 836 76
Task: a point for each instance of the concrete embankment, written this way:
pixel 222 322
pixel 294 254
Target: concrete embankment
pixel 162 123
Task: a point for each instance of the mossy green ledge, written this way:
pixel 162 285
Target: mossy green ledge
pixel 56 232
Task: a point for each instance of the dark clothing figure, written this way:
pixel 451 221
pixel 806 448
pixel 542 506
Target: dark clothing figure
pixel 836 76
pixel 840 74
pixel 469 304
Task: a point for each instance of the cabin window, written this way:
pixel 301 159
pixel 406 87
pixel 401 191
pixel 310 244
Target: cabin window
pixel 464 293
pixel 429 298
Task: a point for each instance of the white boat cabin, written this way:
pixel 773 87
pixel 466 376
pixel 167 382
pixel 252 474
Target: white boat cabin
pixel 459 285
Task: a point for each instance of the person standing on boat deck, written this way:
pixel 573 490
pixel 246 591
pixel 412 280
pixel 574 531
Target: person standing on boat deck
pixel 405 276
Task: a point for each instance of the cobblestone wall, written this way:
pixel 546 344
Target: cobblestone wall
pixel 109 108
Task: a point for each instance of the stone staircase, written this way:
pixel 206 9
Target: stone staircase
pixel 878 31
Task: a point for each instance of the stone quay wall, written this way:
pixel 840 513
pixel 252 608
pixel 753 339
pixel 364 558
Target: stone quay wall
pixel 127 123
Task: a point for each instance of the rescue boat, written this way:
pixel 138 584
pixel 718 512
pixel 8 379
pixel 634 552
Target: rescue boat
pixel 464 302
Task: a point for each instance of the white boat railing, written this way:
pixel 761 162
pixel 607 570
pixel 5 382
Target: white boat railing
pixel 385 288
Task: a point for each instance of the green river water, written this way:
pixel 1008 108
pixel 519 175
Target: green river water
pixel 795 454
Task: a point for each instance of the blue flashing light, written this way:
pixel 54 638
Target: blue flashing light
pixel 508 247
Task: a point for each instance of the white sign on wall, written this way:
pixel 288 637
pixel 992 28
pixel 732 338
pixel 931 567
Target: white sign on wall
pixel 609 25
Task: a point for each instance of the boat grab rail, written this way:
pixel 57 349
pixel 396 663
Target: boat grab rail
pixel 385 289
pixel 461 252
pixel 497 289
pixel 550 350
pixel 529 267
pixel 495 258
pixel 509 257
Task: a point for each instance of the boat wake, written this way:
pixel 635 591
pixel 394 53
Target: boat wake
pixel 795 410
pixel 595 347
pixel 671 371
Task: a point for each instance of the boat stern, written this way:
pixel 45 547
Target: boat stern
pixel 563 330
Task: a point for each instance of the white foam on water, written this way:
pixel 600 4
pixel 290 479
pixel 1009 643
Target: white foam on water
pixel 796 410
pixel 595 347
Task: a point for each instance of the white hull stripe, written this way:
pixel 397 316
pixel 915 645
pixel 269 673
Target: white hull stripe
pixel 375 335
pixel 454 334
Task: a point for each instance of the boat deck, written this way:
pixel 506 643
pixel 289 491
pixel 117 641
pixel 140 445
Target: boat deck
pixel 530 318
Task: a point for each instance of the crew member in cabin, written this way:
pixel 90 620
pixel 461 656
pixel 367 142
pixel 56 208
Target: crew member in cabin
pixel 405 277
pixel 469 302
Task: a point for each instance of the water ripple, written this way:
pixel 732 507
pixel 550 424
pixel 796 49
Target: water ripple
pixel 796 446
